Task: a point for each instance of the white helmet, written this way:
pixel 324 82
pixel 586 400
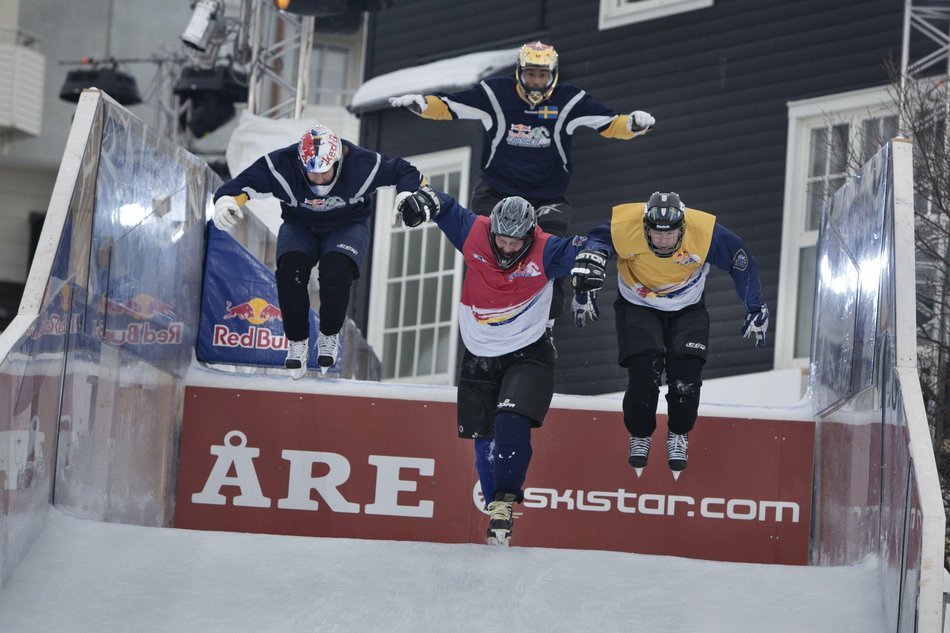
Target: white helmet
pixel 319 150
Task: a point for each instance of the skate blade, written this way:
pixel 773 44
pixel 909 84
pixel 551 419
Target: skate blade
pixel 676 474
pixel 298 373
pixel 639 472
pixel 500 539
pixel 324 370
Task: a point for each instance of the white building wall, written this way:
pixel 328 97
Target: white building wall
pixel 22 191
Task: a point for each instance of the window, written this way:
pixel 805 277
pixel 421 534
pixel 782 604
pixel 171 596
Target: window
pixel 335 68
pixel 827 136
pixel 614 13
pixel 416 284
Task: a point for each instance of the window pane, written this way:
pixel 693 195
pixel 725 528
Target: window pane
pixel 806 301
pixel 410 312
pixel 455 182
pixel 433 243
pixel 390 341
pixel 430 289
pixel 407 353
pixel 448 255
pixel 396 243
pixel 815 197
pixel 819 152
pixel 328 73
pixel 442 356
pixel 445 299
pixel 839 149
pixel 414 252
pixel 426 351
pixel 890 128
pixel 437 181
pixel 392 304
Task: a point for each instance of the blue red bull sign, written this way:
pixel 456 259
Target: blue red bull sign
pixel 241 322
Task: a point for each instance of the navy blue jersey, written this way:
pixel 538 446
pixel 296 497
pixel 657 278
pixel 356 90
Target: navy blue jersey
pixel 348 200
pixel 527 150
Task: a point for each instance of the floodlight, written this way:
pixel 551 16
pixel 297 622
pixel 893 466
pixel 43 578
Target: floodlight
pixel 203 24
pixel 115 83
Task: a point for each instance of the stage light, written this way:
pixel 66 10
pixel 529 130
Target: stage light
pixel 203 24
pixel 107 78
pixel 213 93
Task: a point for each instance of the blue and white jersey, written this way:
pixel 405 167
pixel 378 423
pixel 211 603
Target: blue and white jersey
pixel 527 150
pixel 349 199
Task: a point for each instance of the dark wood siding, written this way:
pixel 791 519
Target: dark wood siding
pixel 718 81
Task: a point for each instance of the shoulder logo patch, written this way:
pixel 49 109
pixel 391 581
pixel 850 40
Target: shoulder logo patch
pixel 740 261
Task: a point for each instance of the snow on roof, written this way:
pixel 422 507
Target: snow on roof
pixel 445 75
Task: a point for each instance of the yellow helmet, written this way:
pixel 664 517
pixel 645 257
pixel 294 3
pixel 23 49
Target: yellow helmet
pixel 536 55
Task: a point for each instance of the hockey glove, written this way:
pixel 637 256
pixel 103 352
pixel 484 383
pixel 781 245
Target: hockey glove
pixel 640 122
pixel 415 103
pixel 589 270
pixel 756 323
pixel 584 307
pixel 226 213
pixel 418 206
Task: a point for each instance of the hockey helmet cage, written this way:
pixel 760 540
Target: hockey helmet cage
pixel 664 212
pixel 512 217
pixel 536 55
pixel 319 149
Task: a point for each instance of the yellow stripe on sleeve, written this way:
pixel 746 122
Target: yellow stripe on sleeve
pixel 436 109
pixel 618 128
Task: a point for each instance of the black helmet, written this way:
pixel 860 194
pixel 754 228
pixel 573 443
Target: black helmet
pixel 512 217
pixel 664 212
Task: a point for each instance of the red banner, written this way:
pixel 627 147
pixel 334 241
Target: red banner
pixel 318 465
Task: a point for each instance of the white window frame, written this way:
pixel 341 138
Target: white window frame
pixel 803 116
pixel 458 159
pixel 614 13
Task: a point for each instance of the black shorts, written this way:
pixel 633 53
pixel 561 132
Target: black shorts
pixel 521 382
pixel 651 332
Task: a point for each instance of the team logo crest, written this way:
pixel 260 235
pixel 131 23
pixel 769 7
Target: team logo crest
pixel 740 261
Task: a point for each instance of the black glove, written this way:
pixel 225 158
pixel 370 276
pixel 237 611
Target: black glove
pixel 589 270
pixel 418 207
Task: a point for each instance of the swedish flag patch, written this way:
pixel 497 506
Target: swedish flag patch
pixel 547 112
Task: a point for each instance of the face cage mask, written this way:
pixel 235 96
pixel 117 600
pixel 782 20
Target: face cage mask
pixel 506 262
pixel 663 254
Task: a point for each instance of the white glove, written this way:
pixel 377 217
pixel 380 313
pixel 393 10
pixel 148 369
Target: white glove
pixel 402 195
pixel 756 325
pixel 640 122
pixel 584 307
pixel 226 213
pixel 416 103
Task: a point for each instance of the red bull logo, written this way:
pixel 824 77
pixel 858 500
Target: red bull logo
pixel 143 307
pixel 257 311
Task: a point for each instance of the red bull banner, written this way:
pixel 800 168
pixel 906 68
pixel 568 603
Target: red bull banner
pixel 241 321
pixel 365 467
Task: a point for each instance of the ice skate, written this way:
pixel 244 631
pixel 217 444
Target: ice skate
pixel 327 346
pixel 296 361
pixel 676 449
pixel 501 520
pixel 639 452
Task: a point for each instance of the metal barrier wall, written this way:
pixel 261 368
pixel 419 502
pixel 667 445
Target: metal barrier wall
pixel 876 486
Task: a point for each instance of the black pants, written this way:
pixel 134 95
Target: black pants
pixel 650 342
pixel 554 216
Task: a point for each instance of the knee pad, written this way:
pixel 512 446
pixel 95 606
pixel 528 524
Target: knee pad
pixel 336 272
pixel 684 378
pixel 293 270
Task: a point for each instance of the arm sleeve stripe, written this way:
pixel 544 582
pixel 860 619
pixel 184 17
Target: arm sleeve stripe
pixel 280 179
pixel 368 181
pixel 500 121
pixel 593 121
pixel 565 112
